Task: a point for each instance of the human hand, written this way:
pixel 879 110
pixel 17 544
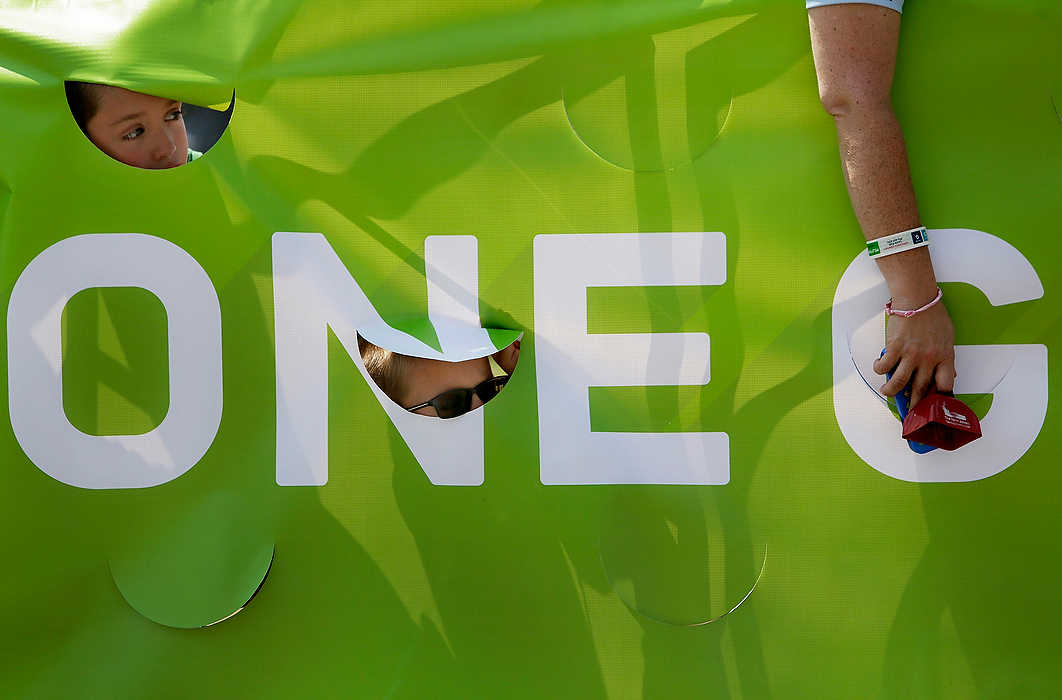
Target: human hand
pixel 922 351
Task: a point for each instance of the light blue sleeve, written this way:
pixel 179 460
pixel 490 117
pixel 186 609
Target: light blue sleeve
pixel 891 4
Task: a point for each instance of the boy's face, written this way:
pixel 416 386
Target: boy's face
pixel 139 130
pixel 425 379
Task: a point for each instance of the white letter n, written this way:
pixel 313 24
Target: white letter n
pixel 312 292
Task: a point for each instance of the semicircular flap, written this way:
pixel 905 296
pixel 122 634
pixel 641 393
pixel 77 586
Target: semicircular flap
pixel 457 341
pixel 193 568
pixel 674 559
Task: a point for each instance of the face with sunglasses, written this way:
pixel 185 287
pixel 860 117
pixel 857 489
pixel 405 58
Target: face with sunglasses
pixel 448 389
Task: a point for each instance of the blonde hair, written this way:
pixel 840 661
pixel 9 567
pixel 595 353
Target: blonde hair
pixel 388 369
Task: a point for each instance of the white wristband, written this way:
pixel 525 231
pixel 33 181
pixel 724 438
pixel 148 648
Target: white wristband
pixel 898 242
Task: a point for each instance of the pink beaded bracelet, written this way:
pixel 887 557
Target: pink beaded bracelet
pixel 889 311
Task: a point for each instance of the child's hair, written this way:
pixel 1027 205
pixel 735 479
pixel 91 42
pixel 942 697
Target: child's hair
pixel 84 101
pixel 387 369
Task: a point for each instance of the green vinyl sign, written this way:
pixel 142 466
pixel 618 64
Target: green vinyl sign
pixel 688 486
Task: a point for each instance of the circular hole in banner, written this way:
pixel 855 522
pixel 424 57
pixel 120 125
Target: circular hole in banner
pixel 649 104
pixel 145 131
pixel 673 559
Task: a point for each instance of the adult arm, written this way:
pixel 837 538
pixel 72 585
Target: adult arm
pixel 854 46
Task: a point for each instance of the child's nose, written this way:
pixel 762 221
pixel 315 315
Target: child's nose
pixel 164 145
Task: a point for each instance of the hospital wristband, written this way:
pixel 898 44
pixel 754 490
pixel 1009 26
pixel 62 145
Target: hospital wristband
pixel 898 242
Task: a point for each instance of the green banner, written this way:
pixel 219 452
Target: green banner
pixel 689 486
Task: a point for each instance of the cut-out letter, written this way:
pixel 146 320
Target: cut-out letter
pixel 312 292
pixel 569 360
pixel 1016 375
pixel 34 341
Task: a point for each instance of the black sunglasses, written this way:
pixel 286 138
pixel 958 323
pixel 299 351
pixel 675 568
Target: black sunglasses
pixel 457 402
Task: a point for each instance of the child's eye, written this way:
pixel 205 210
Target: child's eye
pixel 175 114
pixel 134 133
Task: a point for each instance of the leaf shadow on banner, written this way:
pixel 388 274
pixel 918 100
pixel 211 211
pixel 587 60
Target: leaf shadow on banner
pixel 450 136
pixel 343 593
pixel 5 201
pixel 978 609
pixel 681 518
pixel 447 138
pixel 972 614
pixel 237 36
pixel 679 557
pixel 115 343
pixel 671 661
pixel 351 630
pixel 383 183
pixel 322 587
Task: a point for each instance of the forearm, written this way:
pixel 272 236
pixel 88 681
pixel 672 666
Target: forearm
pixel 855 46
pixel 855 57
pixel 874 160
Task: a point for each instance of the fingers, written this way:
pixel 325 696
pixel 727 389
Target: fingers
pixel 887 361
pixel 919 386
pixel 899 378
pixel 920 353
pixel 945 376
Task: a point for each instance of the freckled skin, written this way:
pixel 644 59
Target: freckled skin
pixel 855 46
pixel 425 379
pixel 139 130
